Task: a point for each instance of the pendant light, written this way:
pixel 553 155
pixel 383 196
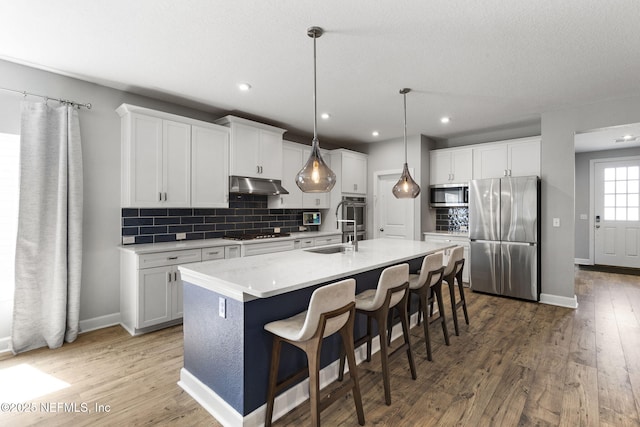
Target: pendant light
pixel 406 187
pixel 315 176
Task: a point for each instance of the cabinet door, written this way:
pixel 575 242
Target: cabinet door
pixel 490 162
pixel 271 155
pixel 354 173
pixel 524 158
pixel 440 165
pixel 461 166
pixel 291 164
pixel 154 296
pixel 316 200
pixel 145 175
pixel 176 163
pixel 245 150
pixel 177 311
pixel 209 167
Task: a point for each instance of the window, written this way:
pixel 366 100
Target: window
pixel 621 189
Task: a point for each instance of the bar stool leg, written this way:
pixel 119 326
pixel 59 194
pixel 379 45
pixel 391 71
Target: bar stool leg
pixel 427 338
pixel 381 319
pixel 349 349
pixel 462 299
pixel 273 379
pixel 438 290
pixel 313 357
pixel 452 294
pixel 404 318
pixel 369 335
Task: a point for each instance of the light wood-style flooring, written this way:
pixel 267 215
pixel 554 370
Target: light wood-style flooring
pixel 517 364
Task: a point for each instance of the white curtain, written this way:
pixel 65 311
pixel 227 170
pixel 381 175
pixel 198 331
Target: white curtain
pixel 49 243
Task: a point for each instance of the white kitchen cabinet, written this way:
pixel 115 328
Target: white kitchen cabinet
pixel 350 168
pixel 209 167
pixel 457 240
pixel 309 242
pixel 255 149
pixel 518 157
pixel 151 287
pixel 172 161
pixel 451 166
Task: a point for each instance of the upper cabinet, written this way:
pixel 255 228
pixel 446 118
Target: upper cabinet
pixel 517 157
pixel 451 166
pixel 294 156
pixel 350 168
pixel 172 161
pixel 256 148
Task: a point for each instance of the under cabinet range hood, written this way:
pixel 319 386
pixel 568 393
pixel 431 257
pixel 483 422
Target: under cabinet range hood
pixel 246 185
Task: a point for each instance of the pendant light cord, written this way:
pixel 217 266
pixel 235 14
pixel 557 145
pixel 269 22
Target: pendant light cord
pixel 404 95
pixel 315 102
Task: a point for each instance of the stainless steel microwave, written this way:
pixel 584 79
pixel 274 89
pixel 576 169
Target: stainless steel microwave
pixel 449 195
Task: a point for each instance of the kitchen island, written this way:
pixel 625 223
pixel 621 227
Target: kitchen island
pixel 227 303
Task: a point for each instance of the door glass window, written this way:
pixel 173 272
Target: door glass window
pixel 621 193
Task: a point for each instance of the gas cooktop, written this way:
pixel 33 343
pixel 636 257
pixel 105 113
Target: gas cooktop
pixel 251 236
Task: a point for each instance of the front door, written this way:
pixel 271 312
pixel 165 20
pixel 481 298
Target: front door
pixel 393 217
pixel 617 216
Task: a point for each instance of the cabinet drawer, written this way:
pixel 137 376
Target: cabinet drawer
pixel 266 248
pixel 213 253
pixel 306 243
pixel 329 240
pixel 170 258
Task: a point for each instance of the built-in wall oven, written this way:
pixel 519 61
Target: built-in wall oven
pixel 354 208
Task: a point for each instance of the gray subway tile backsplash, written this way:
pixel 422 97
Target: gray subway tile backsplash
pixel 246 213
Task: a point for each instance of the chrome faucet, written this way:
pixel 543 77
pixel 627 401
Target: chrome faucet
pixel 355 227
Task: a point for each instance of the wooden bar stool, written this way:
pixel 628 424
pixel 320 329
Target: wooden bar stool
pixel 428 286
pixel 452 272
pixel 392 291
pixel 331 310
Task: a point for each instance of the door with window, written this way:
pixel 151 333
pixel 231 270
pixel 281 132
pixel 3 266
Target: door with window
pixel 617 215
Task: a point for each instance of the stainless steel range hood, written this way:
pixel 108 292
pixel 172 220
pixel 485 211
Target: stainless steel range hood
pixel 246 185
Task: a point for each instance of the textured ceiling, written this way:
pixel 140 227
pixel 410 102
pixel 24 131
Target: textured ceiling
pixel 487 64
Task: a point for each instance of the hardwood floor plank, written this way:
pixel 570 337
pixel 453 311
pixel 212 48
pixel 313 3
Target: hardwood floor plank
pixel 580 400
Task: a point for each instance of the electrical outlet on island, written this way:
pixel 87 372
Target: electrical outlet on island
pixel 181 236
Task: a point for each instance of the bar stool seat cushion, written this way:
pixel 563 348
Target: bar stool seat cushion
pixel 457 254
pixel 303 326
pixel 372 299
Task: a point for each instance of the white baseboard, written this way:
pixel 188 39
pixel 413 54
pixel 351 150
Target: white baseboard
pixel 99 322
pixel 85 326
pixel 284 402
pixel 583 261
pixel 558 300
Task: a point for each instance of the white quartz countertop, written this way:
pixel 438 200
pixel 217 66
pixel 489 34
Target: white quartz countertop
pixel 464 234
pixel 147 248
pixel 267 275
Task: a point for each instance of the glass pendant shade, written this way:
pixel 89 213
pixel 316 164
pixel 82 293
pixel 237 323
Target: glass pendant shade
pixel 406 187
pixel 315 176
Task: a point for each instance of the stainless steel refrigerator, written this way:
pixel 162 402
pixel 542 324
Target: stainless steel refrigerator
pixel 504 231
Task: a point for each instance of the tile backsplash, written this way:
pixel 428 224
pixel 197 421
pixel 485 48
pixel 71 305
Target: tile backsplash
pixel 452 219
pixel 246 213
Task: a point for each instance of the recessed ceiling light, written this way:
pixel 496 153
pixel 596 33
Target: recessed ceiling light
pixel 325 116
pixel 244 86
pixel 627 137
pixel 445 120
pixel 375 133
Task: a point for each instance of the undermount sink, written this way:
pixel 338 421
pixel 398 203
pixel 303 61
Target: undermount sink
pixel 328 250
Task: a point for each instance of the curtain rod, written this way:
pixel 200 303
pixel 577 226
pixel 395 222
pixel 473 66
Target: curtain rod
pixel 63 101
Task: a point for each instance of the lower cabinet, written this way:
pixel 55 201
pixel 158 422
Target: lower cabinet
pixel 151 287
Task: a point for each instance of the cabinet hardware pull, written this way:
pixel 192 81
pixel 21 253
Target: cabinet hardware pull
pixel 257 169
pixel 175 276
pixel 213 253
pixel 168 276
pixel 172 257
pixel 159 196
pixel 165 197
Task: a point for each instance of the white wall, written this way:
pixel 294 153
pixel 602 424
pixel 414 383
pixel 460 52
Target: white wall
pixel 100 132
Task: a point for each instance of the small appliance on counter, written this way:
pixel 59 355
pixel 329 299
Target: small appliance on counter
pixel 311 218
